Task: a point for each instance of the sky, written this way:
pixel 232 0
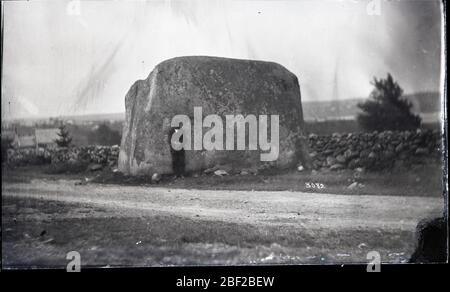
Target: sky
pixel 81 57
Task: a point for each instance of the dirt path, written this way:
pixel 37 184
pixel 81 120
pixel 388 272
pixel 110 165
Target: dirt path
pixel 113 225
pixel 305 210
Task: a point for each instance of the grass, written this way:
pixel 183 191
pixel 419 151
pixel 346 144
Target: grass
pixel 106 239
pixel 422 180
pixel 66 168
pixel 172 240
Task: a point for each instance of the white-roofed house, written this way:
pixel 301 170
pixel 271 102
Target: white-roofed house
pixel 46 137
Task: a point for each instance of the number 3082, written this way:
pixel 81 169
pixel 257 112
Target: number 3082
pixel 310 185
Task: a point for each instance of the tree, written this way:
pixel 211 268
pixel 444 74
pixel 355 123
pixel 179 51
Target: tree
pixel 386 109
pixel 64 139
pixel 105 136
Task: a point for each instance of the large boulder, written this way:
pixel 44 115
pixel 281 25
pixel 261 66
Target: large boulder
pixel 220 86
pixel 431 241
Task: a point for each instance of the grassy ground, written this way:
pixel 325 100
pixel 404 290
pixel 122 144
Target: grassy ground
pixel 40 232
pixel 35 236
pixel 422 180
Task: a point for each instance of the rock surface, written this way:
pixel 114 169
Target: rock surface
pixel 156 177
pixel 431 241
pixel 220 86
pixel 374 151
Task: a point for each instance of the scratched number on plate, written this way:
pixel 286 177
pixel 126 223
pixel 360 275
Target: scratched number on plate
pixel 311 185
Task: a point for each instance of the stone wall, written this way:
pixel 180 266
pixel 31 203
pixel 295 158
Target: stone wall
pixel 101 155
pixel 27 156
pixel 374 151
pixel 371 151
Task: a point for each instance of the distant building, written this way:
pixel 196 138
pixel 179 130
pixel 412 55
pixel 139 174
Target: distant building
pixel 27 141
pixel 46 137
pixel 40 138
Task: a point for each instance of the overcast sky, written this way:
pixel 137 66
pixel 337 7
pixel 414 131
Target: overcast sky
pixel 64 58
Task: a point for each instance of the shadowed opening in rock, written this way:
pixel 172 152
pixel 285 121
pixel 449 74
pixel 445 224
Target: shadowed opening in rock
pixel 178 156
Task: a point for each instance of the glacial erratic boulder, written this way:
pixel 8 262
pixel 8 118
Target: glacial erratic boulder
pixel 431 244
pixel 220 86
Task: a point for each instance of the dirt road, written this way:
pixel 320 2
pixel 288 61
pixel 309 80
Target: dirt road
pixel 354 222
pixel 260 208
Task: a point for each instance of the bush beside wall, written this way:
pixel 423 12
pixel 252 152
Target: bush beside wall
pixel 102 155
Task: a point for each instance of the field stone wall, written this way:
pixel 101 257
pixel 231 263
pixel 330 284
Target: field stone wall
pixel 372 151
pixel 101 155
